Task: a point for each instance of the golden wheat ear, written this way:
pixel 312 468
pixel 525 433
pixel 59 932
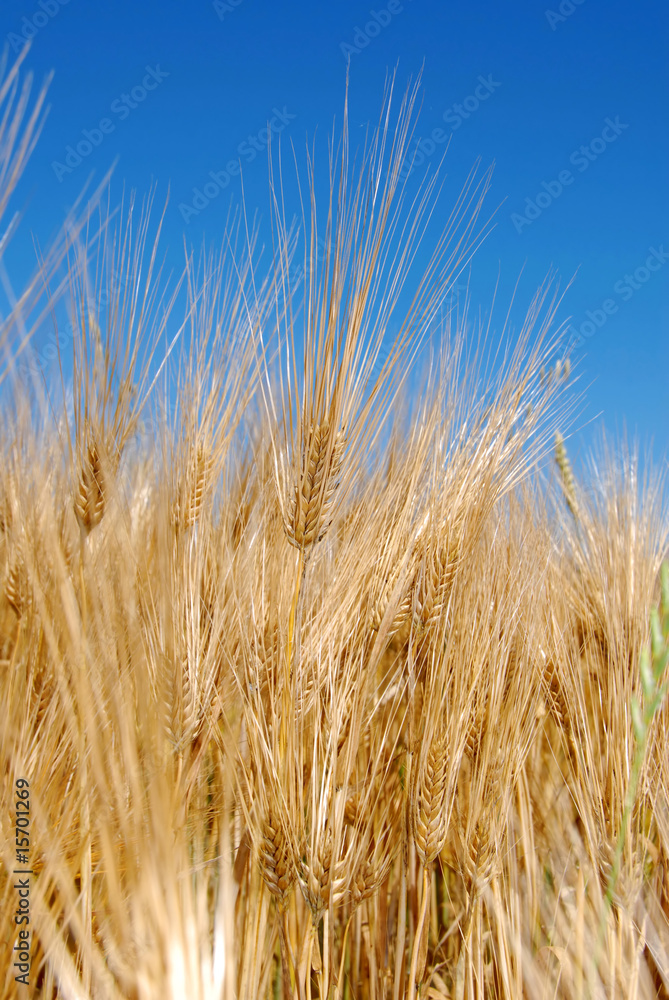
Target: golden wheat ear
pixel 91 492
pixel 429 819
pixel 113 349
pixel 16 585
pixel 309 510
pixel 331 409
pixel 194 489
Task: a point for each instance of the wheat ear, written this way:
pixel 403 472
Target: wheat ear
pixel 434 585
pixel 186 509
pixel 279 875
pixel 16 588
pixel 429 803
pixel 429 837
pixel 277 869
pixel 309 510
pixel 567 475
pixel 90 498
pixel 307 517
pixel 394 588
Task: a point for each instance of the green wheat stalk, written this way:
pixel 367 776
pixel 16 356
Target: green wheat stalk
pixel 652 667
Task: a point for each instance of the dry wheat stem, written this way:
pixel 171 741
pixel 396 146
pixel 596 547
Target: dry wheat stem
pixel 419 952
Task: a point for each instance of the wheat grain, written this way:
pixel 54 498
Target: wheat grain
pixel 16 586
pixel 91 495
pixel 430 804
pixel 277 867
pixel 186 509
pixel 309 510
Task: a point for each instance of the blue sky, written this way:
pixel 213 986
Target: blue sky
pixel 568 100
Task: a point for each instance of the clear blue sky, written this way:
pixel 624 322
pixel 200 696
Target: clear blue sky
pixel 569 100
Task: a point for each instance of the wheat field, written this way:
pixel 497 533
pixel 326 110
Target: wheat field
pixel 322 674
